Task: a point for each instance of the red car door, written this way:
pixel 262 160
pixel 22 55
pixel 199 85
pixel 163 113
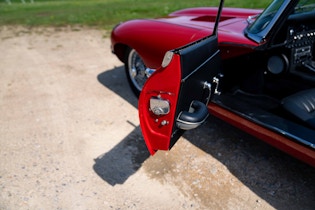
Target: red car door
pixel 175 97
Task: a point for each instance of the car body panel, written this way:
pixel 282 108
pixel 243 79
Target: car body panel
pixel 166 37
pixel 180 28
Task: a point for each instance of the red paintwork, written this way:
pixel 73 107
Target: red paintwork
pixel 293 148
pixel 151 38
pixel 157 136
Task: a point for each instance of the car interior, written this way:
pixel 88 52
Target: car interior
pixel 276 85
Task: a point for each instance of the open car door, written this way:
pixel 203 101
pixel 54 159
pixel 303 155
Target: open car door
pixel 175 97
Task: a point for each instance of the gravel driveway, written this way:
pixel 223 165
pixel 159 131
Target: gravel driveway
pixel 70 139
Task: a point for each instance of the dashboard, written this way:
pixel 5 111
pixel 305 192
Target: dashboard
pixel 300 44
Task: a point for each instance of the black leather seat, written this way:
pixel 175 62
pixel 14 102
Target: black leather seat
pixel 302 106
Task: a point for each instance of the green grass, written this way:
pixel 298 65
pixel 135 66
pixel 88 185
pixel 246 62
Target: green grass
pixel 99 13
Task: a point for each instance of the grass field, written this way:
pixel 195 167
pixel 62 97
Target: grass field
pixel 100 13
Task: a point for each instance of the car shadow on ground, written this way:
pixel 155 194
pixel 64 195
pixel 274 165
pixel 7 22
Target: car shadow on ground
pixel 271 174
pixel 122 161
pixel 117 165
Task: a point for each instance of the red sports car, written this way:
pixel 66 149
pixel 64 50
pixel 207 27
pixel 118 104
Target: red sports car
pixel 254 69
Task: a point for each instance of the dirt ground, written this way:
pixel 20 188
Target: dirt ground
pixel 70 139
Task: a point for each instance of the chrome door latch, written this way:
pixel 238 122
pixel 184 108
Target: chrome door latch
pixel 159 106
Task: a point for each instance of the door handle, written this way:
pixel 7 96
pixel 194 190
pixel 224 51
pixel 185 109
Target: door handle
pixel 197 114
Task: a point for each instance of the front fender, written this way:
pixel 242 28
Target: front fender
pixel 152 38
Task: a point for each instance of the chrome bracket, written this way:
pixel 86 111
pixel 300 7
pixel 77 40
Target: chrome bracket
pixel 207 85
pixel 216 81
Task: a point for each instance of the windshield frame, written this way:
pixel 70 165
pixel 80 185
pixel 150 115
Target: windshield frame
pixel 259 29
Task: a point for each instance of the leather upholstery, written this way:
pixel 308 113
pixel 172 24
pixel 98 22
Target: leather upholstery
pixel 302 106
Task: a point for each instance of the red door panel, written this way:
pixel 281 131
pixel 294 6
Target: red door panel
pixel 174 98
pixel 163 85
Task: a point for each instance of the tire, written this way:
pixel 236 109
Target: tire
pixel 136 71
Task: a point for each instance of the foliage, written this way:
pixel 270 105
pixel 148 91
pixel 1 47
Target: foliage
pixel 100 13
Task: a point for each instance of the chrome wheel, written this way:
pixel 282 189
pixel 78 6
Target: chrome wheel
pixel 137 72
